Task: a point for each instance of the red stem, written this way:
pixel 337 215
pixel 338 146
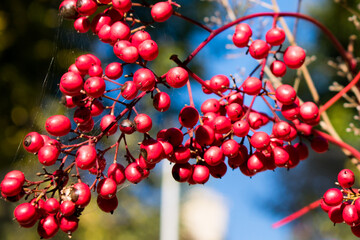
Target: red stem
pixel 345 55
pixel 297 214
pixel 355 153
pixel 340 94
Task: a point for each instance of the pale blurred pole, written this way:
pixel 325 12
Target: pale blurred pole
pixel 169 211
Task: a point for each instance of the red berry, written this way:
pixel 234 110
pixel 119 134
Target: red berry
pixel 278 68
pixel 144 79
pixel 134 173
pixel 285 94
pixel 82 24
pixel 241 39
pixel 86 7
pixel 51 206
pixel 350 215
pixel 219 83
pixel 58 125
pixel 181 172
pixel 67 9
pixel 25 213
pixel 177 77
pixel 346 178
pixel 252 86
pixel 319 144
pixel 48 155
pixel 67 208
pixel 148 50
pixel 219 170
pixel 222 124
pixel 152 150
pixel 241 128
pixel 81 194
pixel 290 112
pixel 309 111
pixel 48 227
pixel 119 31
pixel 116 172
pixel 72 83
pixel 143 123
pixel 275 36
pixel 260 140
pixel 94 87
pixel 86 157
pixel 106 121
pixel 294 57
pixel 200 174
pixel 33 142
pixel 68 224
pixel 210 105
pixel 82 115
pixel 259 49
pixel 333 197
pixel 161 101
pixel 244 27
pixel 107 205
pixel 114 70
pixel 214 156
pixel 161 11
pixel 302 150
pixel 122 5
pixel 107 188
pixel 129 90
pixel 174 136
pixel 139 37
pixel 188 117
pixel 126 126
pixel 256 162
pixel 230 148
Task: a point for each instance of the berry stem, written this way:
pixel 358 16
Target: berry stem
pixel 297 214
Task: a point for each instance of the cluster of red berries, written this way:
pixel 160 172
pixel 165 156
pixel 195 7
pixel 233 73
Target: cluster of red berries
pixel 343 206
pixel 198 147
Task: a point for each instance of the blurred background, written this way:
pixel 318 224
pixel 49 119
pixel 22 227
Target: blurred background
pixel 36 48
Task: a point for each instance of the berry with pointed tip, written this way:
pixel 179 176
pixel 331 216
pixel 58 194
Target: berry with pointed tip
pixel 67 208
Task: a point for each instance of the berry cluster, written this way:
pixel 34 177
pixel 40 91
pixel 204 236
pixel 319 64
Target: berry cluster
pixel 224 133
pixel 343 205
